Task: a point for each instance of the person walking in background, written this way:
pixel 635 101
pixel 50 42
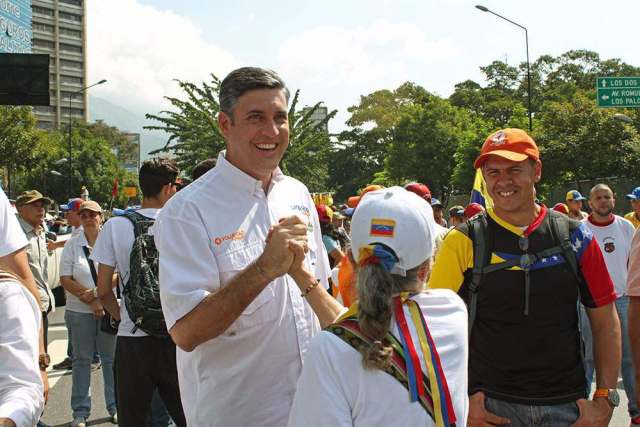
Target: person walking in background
pixel 614 235
pixel 574 202
pixel 634 200
pixel 78 275
pixel 633 317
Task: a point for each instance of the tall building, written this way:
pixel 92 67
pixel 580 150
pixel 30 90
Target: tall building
pixel 318 116
pixel 59 29
pixel 132 163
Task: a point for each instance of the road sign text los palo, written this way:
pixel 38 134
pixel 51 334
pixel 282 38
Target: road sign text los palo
pixel 621 92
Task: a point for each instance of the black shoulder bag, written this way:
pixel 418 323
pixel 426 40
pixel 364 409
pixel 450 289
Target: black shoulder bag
pixel 107 324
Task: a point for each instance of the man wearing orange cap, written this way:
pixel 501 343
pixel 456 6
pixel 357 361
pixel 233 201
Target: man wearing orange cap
pixel 521 268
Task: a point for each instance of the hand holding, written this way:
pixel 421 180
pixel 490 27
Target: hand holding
pixel 277 257
pixel 98 310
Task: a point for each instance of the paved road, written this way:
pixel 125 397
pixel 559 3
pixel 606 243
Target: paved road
pixel 58 410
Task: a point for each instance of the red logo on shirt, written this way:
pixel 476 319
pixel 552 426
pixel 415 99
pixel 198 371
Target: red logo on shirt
pixel 236 235
pixel 609 245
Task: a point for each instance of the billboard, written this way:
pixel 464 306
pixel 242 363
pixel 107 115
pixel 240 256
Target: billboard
pixel 15 26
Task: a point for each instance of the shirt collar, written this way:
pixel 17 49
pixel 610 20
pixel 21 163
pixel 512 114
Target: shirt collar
pixel 242 180
pixel 26 226
pixel 515 229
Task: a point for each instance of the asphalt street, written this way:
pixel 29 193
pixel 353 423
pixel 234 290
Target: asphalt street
pixel 58 410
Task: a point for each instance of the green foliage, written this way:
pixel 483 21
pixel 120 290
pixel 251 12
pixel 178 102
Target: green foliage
pixel 192 125
pixel 307 156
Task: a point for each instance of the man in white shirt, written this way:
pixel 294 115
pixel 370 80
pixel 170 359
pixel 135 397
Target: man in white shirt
pixel 142 362
pixel 226 244
pixel 614 234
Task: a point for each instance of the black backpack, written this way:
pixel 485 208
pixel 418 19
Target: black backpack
pixel 142 293
pixel 483 244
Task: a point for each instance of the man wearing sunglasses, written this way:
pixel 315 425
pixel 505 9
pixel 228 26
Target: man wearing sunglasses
pixel 522 268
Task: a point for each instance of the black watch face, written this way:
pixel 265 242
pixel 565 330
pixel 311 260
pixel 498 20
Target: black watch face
pixel 614 397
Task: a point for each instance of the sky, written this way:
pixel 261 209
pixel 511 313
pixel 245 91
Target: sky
pixel 336 51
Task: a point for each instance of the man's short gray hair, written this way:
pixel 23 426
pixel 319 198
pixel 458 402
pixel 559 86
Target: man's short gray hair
pixel 240 81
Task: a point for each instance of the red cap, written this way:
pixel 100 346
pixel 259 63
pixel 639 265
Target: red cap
pixel 353 201
pixel 511 144
pixel 562 208
pixel 472 210
pixel 419 189
pixel 325 213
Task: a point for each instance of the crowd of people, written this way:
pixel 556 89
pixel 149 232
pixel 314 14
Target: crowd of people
pixel 238 301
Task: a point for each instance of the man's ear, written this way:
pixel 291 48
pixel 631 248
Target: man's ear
pixel 537 168
pixel 225 121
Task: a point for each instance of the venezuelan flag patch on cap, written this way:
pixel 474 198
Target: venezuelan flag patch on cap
pixel 382 227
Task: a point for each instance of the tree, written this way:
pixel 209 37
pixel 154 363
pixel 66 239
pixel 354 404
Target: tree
pixel 306 157
pixel 424 143
pixel 193 126
pixel 19 139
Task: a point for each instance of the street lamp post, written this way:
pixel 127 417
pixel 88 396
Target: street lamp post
pixel 70 166
pixel 526 37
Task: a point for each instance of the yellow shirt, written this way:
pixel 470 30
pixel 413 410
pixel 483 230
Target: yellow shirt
pixel 631 216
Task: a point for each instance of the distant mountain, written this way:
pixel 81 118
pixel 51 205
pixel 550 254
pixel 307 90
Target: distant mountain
pixel 127 121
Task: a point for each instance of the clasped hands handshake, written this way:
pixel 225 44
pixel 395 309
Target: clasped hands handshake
pixel 285 250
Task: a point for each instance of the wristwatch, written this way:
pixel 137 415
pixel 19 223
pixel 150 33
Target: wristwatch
pixel 611 394
pixel 44 361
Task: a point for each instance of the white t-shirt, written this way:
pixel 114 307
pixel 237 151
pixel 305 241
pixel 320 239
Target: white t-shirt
pixel 335 390
pixel 21 390
pixel 113 248
pixel 12 237
pixel 206 234
pixel 614 240
pixel 74 263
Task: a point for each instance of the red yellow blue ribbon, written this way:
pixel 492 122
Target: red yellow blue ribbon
pixel 440 394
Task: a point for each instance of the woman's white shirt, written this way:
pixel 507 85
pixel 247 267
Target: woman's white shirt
pixel 73 262
pixel 335 390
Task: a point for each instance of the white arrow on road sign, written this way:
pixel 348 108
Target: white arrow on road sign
pixel 604 97
pixel 604 83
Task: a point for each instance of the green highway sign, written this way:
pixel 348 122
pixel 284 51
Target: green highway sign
pixel 621 92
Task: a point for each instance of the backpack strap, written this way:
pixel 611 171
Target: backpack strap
pixel 562 235
pixel 139 221
pixel 482 246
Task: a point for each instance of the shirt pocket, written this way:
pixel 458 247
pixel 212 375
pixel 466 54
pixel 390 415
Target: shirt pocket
pixel 234 261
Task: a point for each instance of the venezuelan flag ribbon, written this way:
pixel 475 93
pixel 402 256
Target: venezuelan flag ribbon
pixel 440 394
pixel 377 254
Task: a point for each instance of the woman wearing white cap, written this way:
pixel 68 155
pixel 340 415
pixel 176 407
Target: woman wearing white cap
pixel 399 356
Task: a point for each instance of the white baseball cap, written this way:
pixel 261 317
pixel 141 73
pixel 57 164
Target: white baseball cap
pixel 400 220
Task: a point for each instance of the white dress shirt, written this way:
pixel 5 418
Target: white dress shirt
pixel 12 237
pixel 206 234
pixel 335 390
pixel 21 390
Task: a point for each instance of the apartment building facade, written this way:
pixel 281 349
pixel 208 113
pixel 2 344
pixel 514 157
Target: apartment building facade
pixel 59 29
